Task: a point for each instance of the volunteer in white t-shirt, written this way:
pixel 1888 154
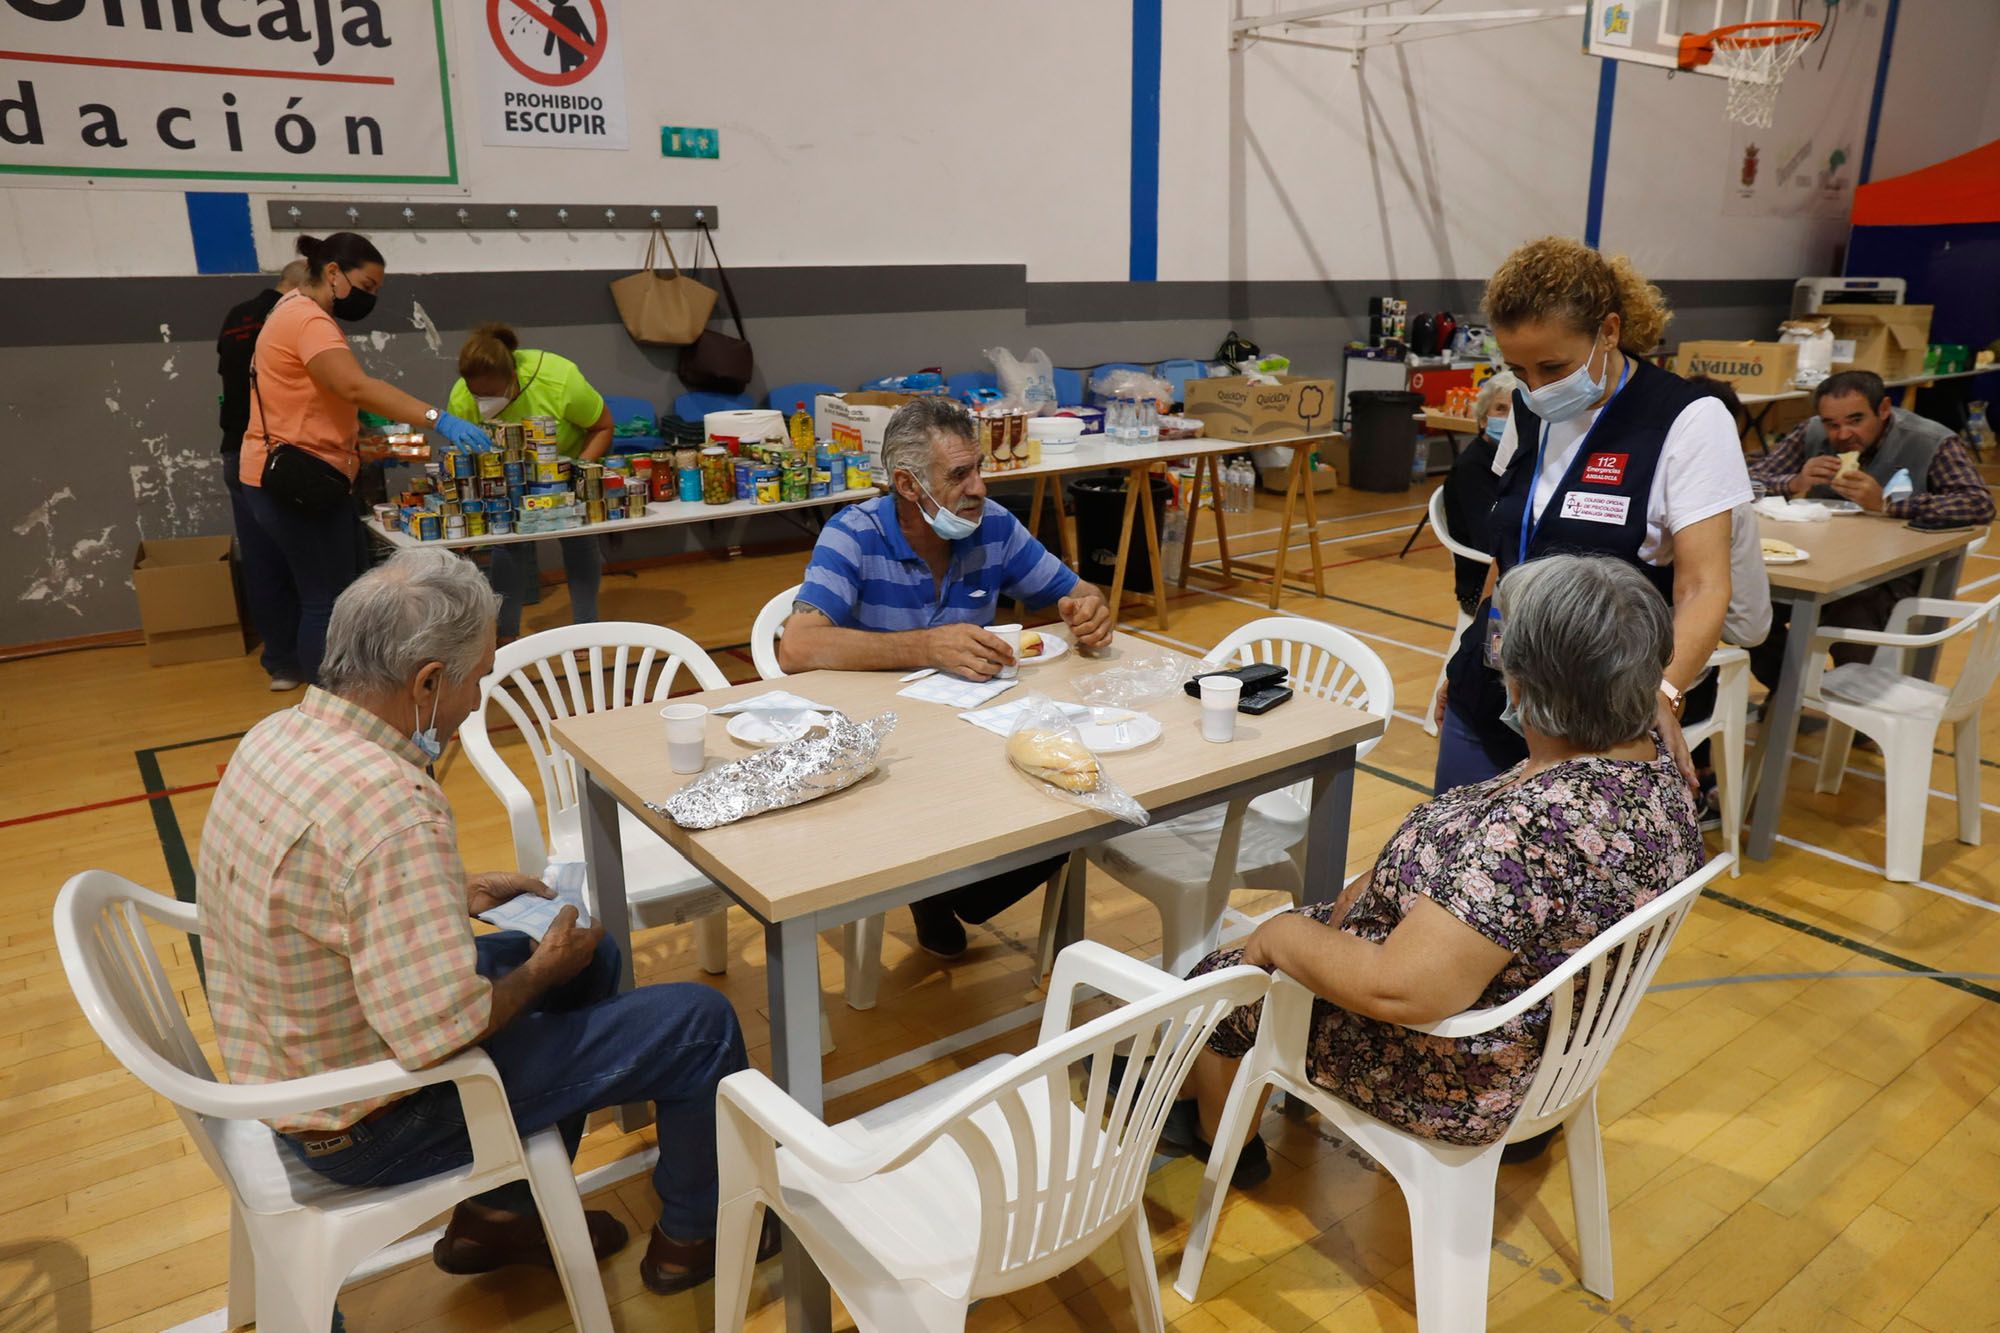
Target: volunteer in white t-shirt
pixel 1603 454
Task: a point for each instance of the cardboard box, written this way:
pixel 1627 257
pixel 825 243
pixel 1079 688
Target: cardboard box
pixel 1891 340
pixel 1752 367
pixel 187 600
pixel 1232 408
pixel 854 422
pixel 1274 467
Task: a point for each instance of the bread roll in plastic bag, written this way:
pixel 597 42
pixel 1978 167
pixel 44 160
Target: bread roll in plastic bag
pixel 1044 744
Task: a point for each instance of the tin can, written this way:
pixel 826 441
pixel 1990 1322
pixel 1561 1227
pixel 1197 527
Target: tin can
pixel 746 477
pixel 718 480
pixel 512 436
pixel 499 525
pixel 463 464
pixel 593 511
pixel 491 465
pixel 548 473
pixel 454 526
pixel 475 525
pixel 636 500
pixel 590 481
pixel 427 526
pixel 640 466
pixel 688 483
pixel 768 491
pixel 857 472
pixel 795 479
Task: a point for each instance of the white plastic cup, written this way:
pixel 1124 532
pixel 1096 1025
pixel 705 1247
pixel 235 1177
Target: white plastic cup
pixel 1011 635
pixel 687 736
pixel 1219 697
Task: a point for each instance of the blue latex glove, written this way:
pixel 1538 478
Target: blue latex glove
pixel 463 436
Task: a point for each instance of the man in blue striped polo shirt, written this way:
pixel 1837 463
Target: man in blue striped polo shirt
pixel 912 579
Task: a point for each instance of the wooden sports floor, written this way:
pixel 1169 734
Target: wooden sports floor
pixel 1802 1126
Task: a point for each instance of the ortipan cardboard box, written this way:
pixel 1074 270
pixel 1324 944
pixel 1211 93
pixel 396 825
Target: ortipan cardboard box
pixel 187 600
pixel 1890 340
pixel 1752 367
pixel 854 422
pixel 1232 408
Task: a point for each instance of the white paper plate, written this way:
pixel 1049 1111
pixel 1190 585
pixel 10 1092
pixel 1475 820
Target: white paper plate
pixel 1053 646
pixel 1842 506
pixel 1802 556
pixel 762 729
pixel 1126 731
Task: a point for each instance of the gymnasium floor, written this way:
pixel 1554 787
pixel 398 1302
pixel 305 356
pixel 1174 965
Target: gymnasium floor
pixel 1802 1126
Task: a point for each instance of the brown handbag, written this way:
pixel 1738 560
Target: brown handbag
pixel 658 310
pixel 716 362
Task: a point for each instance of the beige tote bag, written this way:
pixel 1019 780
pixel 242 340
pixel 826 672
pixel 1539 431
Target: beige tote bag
pixel 658 310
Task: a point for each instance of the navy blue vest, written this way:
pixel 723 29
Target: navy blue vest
pixel 1617 461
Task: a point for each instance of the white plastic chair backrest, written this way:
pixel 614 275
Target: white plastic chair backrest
pixel 1592 996
pixel 538 682
pixel 115 972
pixel 1069 1192
pixel 1982 663
pixel 1322 660
pixel 1443 530
pixel 764 632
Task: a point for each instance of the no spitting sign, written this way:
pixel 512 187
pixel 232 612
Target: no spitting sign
pixel 551 74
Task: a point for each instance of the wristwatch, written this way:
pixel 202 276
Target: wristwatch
pixel 1676 699
pixel 430 416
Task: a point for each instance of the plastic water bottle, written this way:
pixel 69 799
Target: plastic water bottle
pixel 1420 461
pixel 1149 421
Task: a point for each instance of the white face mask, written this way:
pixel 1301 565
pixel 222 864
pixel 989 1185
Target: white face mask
pixel 946 524
pixel 1564 398
pixel 426 738
pixel 491 406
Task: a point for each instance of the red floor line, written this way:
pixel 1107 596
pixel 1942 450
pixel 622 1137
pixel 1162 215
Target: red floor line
pixel 103 805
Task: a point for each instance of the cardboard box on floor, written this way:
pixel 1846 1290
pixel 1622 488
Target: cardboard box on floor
pixel 1752 367
pixel 1890 340
pixel 1274 466
pixel 1232 408
pixel 187 600
pixel 854 421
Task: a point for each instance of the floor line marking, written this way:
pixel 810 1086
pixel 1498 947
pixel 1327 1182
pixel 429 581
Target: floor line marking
pixel 1854 946
pixel 1873 776
pixel 1870 974
pixel 1858 864
pixel 106 805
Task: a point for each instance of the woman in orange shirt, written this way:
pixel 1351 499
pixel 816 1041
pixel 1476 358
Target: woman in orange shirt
pixel 306 393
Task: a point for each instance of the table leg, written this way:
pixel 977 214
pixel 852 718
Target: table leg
pixel 1035 531
pixel 1326 829
pixel 1312 530
pixel 1221 521
pixel 1201 468
pixel 1124 549
pixel 1283 554
pixel 1781 728
pixel 1065 528
pixel 791 962
pixel 1757 428
pixel 1069 926
pixel 1940 580
pixel 1142 481
pixel 604 869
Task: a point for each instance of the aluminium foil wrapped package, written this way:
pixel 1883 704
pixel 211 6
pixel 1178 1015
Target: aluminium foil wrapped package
pixel 784 775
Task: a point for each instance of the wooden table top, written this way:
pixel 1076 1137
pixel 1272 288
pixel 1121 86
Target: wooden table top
pixel 945 796
pixel 1094 453
pixel 1851 551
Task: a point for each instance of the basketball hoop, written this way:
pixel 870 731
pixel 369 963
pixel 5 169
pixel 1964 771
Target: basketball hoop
pixel 1755 57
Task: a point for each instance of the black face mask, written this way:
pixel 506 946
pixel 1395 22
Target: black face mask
pixel 357 305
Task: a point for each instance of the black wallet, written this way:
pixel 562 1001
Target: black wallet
pixel 1259 679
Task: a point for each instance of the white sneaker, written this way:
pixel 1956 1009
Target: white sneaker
pixel 279 684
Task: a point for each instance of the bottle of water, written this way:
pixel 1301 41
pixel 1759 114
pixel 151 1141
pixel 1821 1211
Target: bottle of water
pixel 1149 421
pixel 1117 415
pixel 1420 461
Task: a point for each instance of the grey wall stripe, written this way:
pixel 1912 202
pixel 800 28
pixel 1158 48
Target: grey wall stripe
pixel 68 312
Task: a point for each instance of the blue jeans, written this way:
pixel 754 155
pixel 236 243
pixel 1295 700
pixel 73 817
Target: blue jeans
pixel 267 582
pixel 1465 757
pixel 318 553
pixel 582 1047
pixel 516 567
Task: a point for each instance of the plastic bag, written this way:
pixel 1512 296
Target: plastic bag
pixel 1044 745
pixel 1815 339
pixel 1030 384
pixel 1138 682
pixel 1133 384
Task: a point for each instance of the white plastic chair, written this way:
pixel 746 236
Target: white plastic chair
pixel 992 1180
pixel 1904 714
pixel 538 682
pixel 1460 620
pixel 294 1235
pixel 1188 867
pixel 1449 1187
pixel 860 941
pixel 1725 728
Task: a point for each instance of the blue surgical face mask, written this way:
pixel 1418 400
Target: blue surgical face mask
pixel 1495 428
pixel 1564 398
pixel 426 738
pixel 1511 715
pixel 946 524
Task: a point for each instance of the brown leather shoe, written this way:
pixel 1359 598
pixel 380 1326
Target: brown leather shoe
pixel 477 1240
pixel 675 1265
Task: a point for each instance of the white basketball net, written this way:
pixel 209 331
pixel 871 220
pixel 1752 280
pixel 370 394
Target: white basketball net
pixel 1756 70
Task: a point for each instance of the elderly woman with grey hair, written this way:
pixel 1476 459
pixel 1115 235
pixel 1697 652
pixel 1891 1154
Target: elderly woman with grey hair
pixel 1489 887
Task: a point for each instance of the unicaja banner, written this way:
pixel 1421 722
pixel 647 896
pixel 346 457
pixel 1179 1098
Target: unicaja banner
pixel 551 74
pixel 254 90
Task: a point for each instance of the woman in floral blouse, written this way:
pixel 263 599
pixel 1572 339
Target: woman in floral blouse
pixel 1488 888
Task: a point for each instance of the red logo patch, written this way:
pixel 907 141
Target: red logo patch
pixel 1605 469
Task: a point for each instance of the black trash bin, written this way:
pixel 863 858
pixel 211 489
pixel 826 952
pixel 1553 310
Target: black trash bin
pixel 1382 438
pixel 1099 506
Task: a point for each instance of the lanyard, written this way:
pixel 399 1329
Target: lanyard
pixel 1530 525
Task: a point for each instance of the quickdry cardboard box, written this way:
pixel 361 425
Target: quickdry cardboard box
pixel 1232 408
pixel 187 600
pixel 1890 340
pixel 1752 367
pixel 854 421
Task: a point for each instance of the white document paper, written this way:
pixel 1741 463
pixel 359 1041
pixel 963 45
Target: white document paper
pixel 533 915
pixel 956 693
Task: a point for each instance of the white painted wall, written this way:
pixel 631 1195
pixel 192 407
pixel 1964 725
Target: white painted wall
pixel 905 138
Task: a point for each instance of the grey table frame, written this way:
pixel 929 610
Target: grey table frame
pixel 1772 764
pixel 792 945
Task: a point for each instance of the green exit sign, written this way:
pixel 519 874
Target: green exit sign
pixel 689 141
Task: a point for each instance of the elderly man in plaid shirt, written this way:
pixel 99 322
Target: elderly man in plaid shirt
pixel 339 933
pixel 1906 467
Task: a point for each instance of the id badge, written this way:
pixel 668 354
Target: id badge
pixel 1490 640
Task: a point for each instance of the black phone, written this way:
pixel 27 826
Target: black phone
pixel 1254 677
pixel 1264 700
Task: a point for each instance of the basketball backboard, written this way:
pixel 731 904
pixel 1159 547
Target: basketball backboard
pixel 1649 31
